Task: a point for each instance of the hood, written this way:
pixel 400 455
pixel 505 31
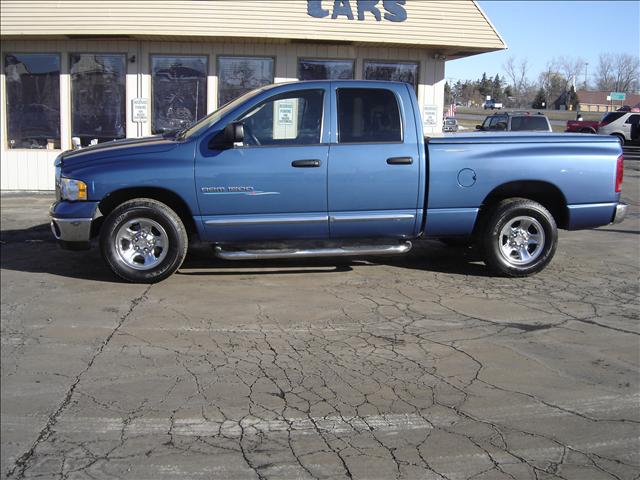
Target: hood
pixel 116 149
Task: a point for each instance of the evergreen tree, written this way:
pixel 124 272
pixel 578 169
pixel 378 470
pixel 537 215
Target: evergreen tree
pixel 572 98
pixel 485 85
pixel 541 98
pixel 497 88
pixel 508 91
pixel 448 98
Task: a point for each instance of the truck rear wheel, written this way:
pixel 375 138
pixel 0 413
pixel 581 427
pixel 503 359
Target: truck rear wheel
pixel 143 241
pixel 520 238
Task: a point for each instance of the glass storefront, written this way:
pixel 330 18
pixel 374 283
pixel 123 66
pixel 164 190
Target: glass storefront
pixel 33 100
pixel 319 69
pixel 179 91
pixel 238 75
pixel 406 72
pixel 98 97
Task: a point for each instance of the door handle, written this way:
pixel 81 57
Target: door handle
pixel 305 163
pixel 400 161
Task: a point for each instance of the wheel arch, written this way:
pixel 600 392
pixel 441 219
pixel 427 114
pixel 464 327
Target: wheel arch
pixel 545 193
pixel 166 196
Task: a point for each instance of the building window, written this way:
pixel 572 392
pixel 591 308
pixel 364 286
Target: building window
pixel 33 100
pixel 406 72
pixel 179 91
pixel 325 69
pixel 238 75
pixel 286 119
pixel 98 97
pixel 368 115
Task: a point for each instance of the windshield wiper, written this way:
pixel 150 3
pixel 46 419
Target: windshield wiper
pixel 175 133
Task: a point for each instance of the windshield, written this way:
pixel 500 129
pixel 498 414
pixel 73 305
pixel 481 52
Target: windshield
pixel 216 115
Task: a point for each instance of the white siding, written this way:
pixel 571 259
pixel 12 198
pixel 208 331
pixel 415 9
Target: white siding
pixel 452 23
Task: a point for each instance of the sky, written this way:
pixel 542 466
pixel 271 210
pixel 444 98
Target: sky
pixel 541 30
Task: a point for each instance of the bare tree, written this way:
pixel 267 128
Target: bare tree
pixel 618 72
pixel 553 82
pixel 517 75
pixel 571 68
pixel 517 72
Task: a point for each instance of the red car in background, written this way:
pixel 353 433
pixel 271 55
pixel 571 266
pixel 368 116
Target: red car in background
pixel 582 126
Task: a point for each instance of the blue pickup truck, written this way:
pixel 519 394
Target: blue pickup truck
pixel 330 168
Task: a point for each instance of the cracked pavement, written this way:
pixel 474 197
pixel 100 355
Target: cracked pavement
pixel 420 367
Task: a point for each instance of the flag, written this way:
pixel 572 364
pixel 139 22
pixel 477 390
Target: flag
pixel 451 112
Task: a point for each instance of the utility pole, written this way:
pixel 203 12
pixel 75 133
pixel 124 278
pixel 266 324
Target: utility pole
pixel 586 70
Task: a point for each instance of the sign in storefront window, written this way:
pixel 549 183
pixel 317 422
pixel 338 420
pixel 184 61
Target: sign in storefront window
pixel 238 75
pixel 406 72
pixel 309 69
pixel 98 97
pixel 179 91
pixel 33 100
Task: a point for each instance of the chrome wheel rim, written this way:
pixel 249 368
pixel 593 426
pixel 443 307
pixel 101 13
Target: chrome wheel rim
pixel 521 240
pixel 141 243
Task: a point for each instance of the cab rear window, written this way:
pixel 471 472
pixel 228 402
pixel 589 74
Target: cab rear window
pixel 530 124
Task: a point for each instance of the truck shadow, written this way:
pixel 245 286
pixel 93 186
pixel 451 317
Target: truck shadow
pixel 33 250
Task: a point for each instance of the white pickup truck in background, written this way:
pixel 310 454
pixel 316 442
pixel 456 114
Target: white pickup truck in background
pixel 492 104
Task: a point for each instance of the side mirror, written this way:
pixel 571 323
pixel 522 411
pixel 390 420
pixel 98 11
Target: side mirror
pixel 478 127
pixel 232 134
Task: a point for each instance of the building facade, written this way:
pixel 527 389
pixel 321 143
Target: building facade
pixel 598 101
pixel 76 73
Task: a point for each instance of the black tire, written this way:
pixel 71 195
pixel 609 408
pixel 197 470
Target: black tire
pixel 519 212
pixel 163 225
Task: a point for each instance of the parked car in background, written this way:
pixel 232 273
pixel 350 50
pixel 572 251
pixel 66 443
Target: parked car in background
pixel 629 108
pixel 619 124
pixel 450 125
pixel 582 126
pixel 492 104
pixel 515 122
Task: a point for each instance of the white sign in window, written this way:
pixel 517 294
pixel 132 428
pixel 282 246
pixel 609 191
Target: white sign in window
pixel 140 110
pixel 430 115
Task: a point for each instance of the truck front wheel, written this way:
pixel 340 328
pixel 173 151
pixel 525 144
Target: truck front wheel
pixel 143 241
pixel 520 238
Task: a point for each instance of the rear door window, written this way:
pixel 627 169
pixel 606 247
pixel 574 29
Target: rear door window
pixel 612 117
pixel 368 115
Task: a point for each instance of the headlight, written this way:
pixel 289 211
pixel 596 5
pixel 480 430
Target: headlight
pixel 72 189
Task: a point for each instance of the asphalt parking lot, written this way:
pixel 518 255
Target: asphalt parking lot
pixel 417 367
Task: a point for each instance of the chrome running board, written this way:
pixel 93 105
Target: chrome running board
pixel 347 251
